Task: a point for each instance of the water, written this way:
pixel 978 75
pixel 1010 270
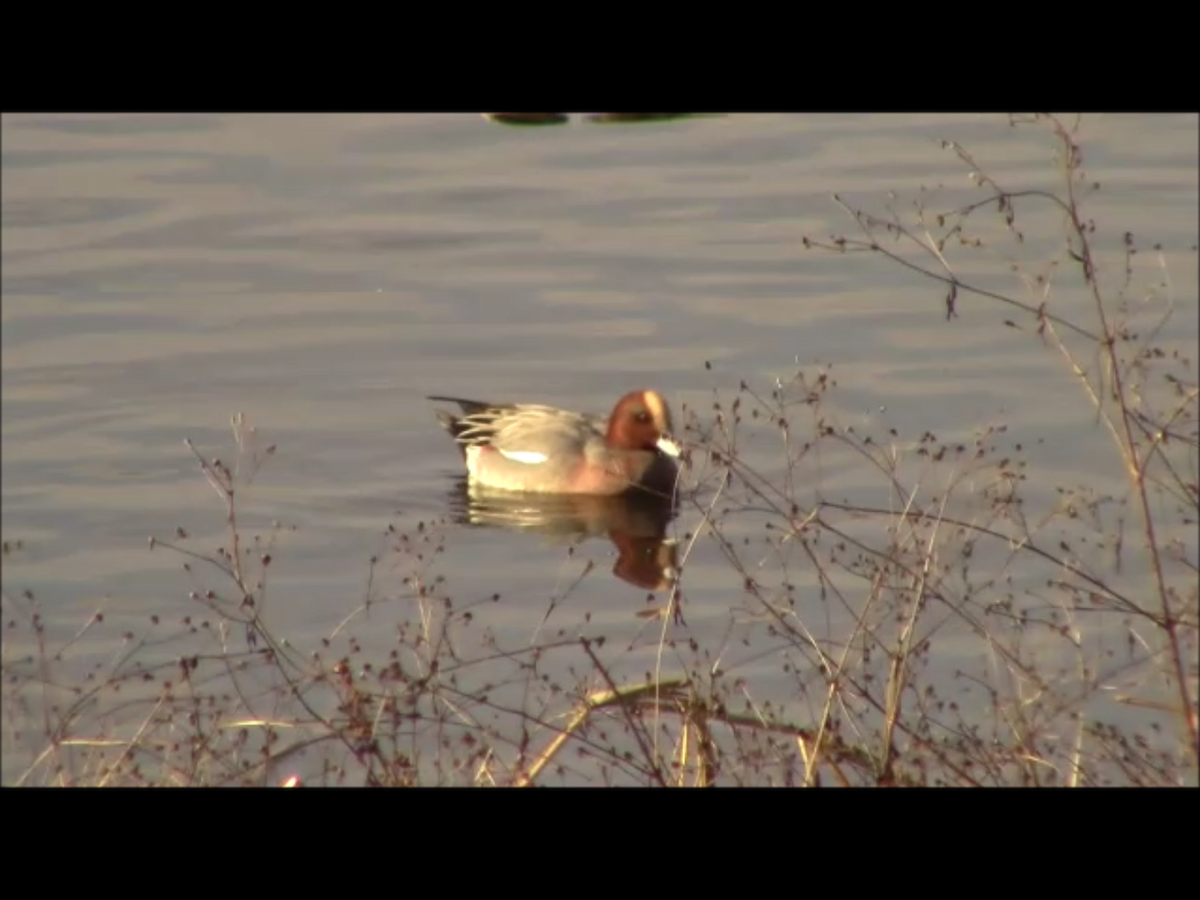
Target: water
pixel 323 274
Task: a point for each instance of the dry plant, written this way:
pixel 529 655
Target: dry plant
pixel 967 631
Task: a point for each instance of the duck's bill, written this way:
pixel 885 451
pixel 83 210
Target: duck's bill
pixel 668 446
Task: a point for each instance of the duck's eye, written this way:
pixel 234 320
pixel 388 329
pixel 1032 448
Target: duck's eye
pixel 642 417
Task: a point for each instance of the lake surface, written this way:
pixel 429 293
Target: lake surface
pixel 324 273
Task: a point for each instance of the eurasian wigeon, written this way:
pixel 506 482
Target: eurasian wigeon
pixel 540 449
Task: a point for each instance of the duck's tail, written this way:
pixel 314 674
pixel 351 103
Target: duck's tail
pixel 469 407
pixel 454 424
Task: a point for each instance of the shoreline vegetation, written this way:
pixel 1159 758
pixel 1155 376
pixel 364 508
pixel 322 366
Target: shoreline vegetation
pixel 1081 616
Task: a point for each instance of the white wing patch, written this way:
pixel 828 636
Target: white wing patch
pixel 524 456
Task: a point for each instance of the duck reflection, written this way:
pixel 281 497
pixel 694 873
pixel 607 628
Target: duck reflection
pixel 557 118
pixel 535 118
pixel 636 523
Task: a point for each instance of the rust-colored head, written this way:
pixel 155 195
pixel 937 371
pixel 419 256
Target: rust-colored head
pixel 641 420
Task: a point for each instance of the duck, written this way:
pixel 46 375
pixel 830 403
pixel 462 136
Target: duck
pixel 533 448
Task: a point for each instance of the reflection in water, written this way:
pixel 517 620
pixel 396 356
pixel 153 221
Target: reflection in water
pixel 535 118
pixel 636 522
